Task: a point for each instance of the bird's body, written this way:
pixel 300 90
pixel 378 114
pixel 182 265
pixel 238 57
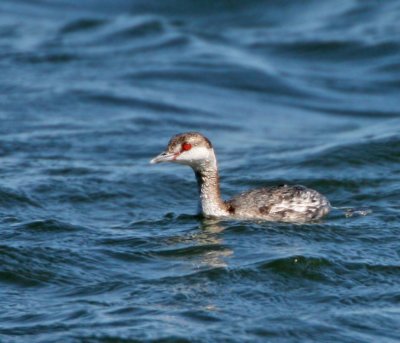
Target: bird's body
pixel 281 203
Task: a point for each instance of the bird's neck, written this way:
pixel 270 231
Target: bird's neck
pixel 208 184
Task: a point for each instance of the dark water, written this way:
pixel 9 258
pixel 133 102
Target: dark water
pixel 98 246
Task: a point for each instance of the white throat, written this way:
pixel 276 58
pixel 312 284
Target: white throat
pixel 206 171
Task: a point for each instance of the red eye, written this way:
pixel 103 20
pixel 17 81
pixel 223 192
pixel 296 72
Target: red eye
pixel 186 146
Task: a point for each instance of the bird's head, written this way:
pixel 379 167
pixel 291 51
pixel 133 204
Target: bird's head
pixel 190 148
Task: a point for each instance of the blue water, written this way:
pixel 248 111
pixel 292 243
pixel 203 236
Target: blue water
pixel 96 245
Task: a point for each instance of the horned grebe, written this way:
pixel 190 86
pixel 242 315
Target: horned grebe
pixel 281 203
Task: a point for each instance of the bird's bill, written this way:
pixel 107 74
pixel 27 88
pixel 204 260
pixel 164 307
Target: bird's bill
pixel 163 157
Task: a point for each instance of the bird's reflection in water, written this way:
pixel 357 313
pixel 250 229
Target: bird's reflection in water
pixel 201 249
pixel 204 246
pixel 210 235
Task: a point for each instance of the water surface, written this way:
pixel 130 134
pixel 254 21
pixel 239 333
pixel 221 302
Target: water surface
pixel 98 246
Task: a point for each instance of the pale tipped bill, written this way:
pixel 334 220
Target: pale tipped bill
pixel 164 157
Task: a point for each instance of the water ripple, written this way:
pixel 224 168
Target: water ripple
pixel 98 246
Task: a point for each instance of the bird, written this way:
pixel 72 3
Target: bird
pixel 283 203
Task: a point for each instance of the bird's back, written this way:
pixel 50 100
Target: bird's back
pixel 281 203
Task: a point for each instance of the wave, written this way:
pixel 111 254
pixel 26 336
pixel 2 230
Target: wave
pixel 48 225
pixel 370 153
pixel 10 197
